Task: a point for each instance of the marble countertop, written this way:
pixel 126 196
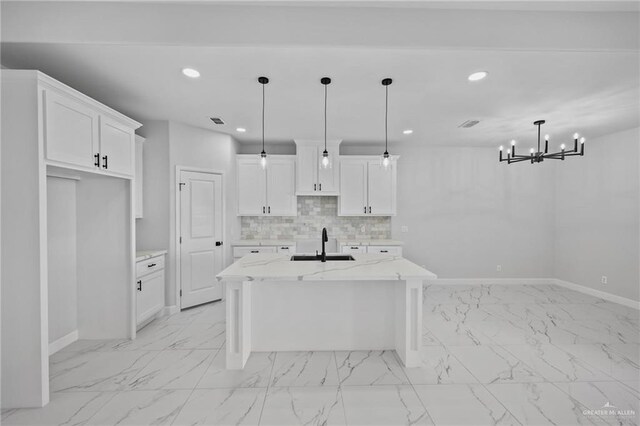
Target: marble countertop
pixel 368 242
pixel 147 254
pixel 259 243
pixel 271 266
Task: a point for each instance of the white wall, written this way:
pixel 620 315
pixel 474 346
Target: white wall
pixel 598 216
pixel 466 213
pixel 170 145
pixel 61 249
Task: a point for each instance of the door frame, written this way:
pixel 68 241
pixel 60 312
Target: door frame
pixel 178 251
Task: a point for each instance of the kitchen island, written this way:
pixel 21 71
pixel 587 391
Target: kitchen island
pixel 275 304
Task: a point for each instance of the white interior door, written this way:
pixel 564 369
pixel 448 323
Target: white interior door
pixel 201 234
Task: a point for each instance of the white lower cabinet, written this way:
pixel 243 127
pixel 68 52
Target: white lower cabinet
pixel 395 250
pixel 149 288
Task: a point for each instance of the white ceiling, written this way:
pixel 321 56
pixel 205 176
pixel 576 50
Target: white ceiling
pixel 592 88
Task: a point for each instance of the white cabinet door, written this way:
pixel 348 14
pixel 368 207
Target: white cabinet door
pixel 116 147
pixel 281 187
pixel 138 177
pixel 381 189
pixel 307 166
pixel 353 188
pixel 252 199
pixel 150 295
pixel 328 178
pixel 70 130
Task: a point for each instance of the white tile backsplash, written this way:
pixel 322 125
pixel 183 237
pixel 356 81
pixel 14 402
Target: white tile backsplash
pixel 315 213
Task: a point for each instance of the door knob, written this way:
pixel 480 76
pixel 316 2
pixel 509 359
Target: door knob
pixel 218 243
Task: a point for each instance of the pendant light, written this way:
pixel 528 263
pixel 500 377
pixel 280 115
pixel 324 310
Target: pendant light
pixel 263 154
pixel 326 162
pixel 385 159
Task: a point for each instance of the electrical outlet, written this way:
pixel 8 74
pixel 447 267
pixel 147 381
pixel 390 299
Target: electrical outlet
pixel 363 229
pixel 603 280
pixel 404 228
pixel 499 268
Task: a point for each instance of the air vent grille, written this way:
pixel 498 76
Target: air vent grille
pixel 469 123
pixel 217 120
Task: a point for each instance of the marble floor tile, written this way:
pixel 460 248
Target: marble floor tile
pixel 369 368
pixel 557 294
pixel 232 406
pixel 303 406
pixel 156 336
pixel 304 369
pixel 618 361
pixel 452 332
pixel 428 339
pixel 64 408
pixel 621 312
pixel 200 336
pixel 173 370
pixel 463 405
pixel 556 364
pixel 541 404
pixel 438 366
pixel 92 345
pixel 613 402
pixel 559 332
pixel 505 332
pixel 493 364
pixel 384 405
pixel 255 374
pixel 158 407
pixel 98 371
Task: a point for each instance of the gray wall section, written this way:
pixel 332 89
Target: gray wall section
pixel 598 216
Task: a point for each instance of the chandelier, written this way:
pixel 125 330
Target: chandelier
pixel 539 156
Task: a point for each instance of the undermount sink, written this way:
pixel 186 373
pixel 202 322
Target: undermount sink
pixel 330 257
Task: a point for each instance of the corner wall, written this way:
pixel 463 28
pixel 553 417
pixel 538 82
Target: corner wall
pixel 598 216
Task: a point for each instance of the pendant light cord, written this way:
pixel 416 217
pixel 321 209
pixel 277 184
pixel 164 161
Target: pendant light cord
pixel 262 117
pixel 325 117
pixel 386 114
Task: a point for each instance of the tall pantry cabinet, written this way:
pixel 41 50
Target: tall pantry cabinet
pixel 50 129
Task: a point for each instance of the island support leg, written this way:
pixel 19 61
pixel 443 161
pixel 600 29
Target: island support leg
pixel 238 304
pixel 409 322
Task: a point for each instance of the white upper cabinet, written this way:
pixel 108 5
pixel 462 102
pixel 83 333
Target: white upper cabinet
pixel 117 147
pixel 81 133
pixel 71 130
pixel 312 178
pixel 138 176
pixel 366 187
pixel 269 191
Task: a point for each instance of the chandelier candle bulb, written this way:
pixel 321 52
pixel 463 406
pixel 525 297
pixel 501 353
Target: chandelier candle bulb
pixel 582 146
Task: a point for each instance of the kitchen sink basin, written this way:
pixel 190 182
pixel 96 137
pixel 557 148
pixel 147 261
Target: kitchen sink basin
pixel 330 257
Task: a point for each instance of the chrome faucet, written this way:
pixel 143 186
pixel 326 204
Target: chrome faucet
pixel 323 256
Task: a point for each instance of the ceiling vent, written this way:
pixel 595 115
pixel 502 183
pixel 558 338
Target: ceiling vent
pixel 217 120
pixel 469 123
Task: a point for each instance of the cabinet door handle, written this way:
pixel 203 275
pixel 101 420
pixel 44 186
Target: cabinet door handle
pixel 369 209
pixel 319 187
pixel 151 265
pixel 269 210
pixel 139 285
pixel 314 186
pixel 365 209
pixel 255 251
pixel 354 248
pixel 384 251
pixel 97 158
pixel 263 210
pixel 284 248
pixel 104 161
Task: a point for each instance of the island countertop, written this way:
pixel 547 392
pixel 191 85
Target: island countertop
pixel 370 266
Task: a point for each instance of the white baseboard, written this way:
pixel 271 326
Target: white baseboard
pixel 501 281
pixel 170 310
pixel 63 342
pixel 597 293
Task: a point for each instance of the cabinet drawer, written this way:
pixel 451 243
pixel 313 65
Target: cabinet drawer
pixel 354 249
pixel 242 251
pixel 148 266
pixel 395 250
pixel 286 249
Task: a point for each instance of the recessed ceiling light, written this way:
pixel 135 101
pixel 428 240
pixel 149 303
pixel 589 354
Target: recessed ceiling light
pixel 241 129
pixel 477 76
pixel 407 132
pixel 190 72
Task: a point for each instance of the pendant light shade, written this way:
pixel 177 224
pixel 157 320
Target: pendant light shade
pixel 263 155
pixel 326 161
pixel 386 159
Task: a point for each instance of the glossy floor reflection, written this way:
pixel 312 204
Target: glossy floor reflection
pixel 493 354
